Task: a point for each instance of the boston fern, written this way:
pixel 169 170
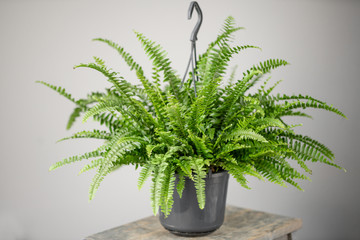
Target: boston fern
pixel 166 129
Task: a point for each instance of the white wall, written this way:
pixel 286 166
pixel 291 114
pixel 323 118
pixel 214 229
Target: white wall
pixel 43 40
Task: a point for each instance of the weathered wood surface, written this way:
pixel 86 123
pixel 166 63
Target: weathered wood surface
pixel 240 223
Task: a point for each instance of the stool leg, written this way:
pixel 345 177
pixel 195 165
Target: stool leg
pixel 285 237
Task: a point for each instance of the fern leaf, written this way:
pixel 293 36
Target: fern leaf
pixel 144 174
pixel 267 65
pixel 185 166
pixel 313 104
pixel 157 180
pixel 176 117
pixel 108 106
pixel 167 191
pixel 228 148
pixel 308 142
pixel 241 134
pixel 235 94
pixel 269 171
pixel 158 56
pixel 154 96
pixel 97 153
pixel 180 185
pixel 197 113
pixel 126 56
pixel 297 97
pixel 263 123
pixel 89 134
pixel 60 90
pixel 103 170
pixel 200 145
pixel 110 121
pixel 267 92
pixel 93 164
pixel 75 114
pixel 225 35
pixel 237 172
pixel 199 181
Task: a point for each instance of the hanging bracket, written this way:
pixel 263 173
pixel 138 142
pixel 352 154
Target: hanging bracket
pixel 193 39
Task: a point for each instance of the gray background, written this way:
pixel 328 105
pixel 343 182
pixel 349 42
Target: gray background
pixel 43 40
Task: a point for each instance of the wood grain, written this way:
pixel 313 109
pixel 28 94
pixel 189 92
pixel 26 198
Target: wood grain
pixel 240 223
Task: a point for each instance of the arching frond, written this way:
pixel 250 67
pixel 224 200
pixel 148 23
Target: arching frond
pixel 176 136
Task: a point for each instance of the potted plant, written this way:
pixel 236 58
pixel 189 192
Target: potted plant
pixel 189 144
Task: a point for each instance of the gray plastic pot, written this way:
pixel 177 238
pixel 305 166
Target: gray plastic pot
pixel 187 219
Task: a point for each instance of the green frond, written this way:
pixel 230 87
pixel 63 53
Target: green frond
pixel 155 97
pixel 234 94
pixel 200 146
pixel 237 172
pixel 199 180
pixel 292 113
pixel 118 147
pixel 197 113
pixel 97 153
pixel 180 186
pixel 110 121
pixel 172 132
pixel 267 65
pixel 184 164
pixel 268 91
pixel 126 56
pixel 233 74
pixel 288 173
pixel 239 134
pixel 285 97
pixel 126 90
pixel 261 89
pixel 160 60
pixel 144 174
pixel 83 106
pixel 225 34
pixel 101 69
pixel 59 90
pixel 310 152
pixel 89 134
pixel 267 122
pixel 74 115
pixel 176 117
pixel 93 164
pixel 289 136
pixel 167 191
pixel 172 150
pixel 314 104
pixel 102 171
pixel 208 92
pixel 269 171
pixel 228 28
pixel 228 148
pixel 108 106
pixel 158 176
pixel 262 153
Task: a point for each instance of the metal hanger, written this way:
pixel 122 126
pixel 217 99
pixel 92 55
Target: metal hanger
pixel 193 38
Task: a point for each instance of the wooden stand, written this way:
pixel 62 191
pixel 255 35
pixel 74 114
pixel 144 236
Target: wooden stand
pixel 241 224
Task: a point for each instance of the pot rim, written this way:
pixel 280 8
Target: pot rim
pixel 210 174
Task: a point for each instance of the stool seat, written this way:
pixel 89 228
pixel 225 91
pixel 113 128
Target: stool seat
pixel 239 223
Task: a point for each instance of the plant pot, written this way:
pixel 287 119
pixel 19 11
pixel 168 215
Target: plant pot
pixel 187 219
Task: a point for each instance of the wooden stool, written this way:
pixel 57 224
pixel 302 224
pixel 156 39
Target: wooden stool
pixel 240 224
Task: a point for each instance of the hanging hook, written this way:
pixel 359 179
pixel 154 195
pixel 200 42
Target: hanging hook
pixel 194 33
pixel 193 38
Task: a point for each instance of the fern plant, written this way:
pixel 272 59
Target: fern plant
pixel 164 129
